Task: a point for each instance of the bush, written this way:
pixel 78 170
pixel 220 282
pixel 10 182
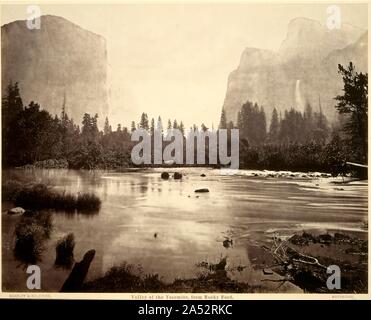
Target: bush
pixel 121 278
pixel 10 190
pixel 36 196
pixel 30 235
pixel 52 164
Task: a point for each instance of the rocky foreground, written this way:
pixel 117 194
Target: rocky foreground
pixel 304 260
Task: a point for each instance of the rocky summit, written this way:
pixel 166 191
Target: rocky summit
pixel 303 70
pixel 60 63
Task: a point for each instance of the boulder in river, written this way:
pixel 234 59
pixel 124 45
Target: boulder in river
pixel 202 190
pixel 203 175
pixel 177 175
pixel 165 175
pixel 227 243
pixel 16 210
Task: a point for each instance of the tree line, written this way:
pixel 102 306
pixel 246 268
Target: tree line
pixel 293 127
pixel 31 135
pixel 150 126
pixel 305 141
pixel 294 140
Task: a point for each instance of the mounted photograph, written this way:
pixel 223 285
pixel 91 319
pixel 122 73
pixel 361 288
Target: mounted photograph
pixel 184 148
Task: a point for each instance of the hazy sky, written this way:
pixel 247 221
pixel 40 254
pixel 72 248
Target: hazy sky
pixel 174 60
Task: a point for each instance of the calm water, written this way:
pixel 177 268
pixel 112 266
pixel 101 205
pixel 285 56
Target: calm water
pixel 190 227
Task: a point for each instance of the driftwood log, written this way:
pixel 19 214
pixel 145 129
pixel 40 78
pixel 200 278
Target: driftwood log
pixel 78 274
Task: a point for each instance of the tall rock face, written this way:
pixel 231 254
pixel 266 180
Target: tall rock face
pixel 303 70
pixel 56 63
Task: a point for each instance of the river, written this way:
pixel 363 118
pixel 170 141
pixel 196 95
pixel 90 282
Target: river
pixel 167 228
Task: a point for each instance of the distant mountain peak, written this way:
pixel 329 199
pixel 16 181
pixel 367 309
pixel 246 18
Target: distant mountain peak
pixel 303 22
pixel 50 20
pixel 308 55
pixel 308 38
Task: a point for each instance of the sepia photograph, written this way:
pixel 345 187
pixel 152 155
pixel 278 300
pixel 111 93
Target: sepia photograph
pixel 184 148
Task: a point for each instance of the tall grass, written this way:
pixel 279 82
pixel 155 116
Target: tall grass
pixel 40 196
pixel 87 202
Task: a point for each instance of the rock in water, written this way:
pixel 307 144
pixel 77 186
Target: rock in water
pixel 165 175
pixel 177 175
pixel 17 210
pixel 227 243
pixel 202 190
pixel 203 175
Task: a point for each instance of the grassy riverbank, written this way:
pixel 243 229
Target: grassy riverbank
pixel 37 196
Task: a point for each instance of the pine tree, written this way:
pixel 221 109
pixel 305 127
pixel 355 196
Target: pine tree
pixel 152 128
pixel 320 127
pixel 12 101
pixel 223 120
pixel 169 125
pixel 159 124
pixel 252 124
pixel 274 127
pixel 86 124
pixel 106 129
pixel 143 124
pixel 262 126
pixel 354 103
pixel 133 126
pixel 175 124
pixel 12 108
pixel 308 122
pixel 239 122
pixel 181 127
pixel 64 117
pixel 95 123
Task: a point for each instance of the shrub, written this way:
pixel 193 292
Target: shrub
pixel 10 190
pixel 30 234
pixel 36 196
